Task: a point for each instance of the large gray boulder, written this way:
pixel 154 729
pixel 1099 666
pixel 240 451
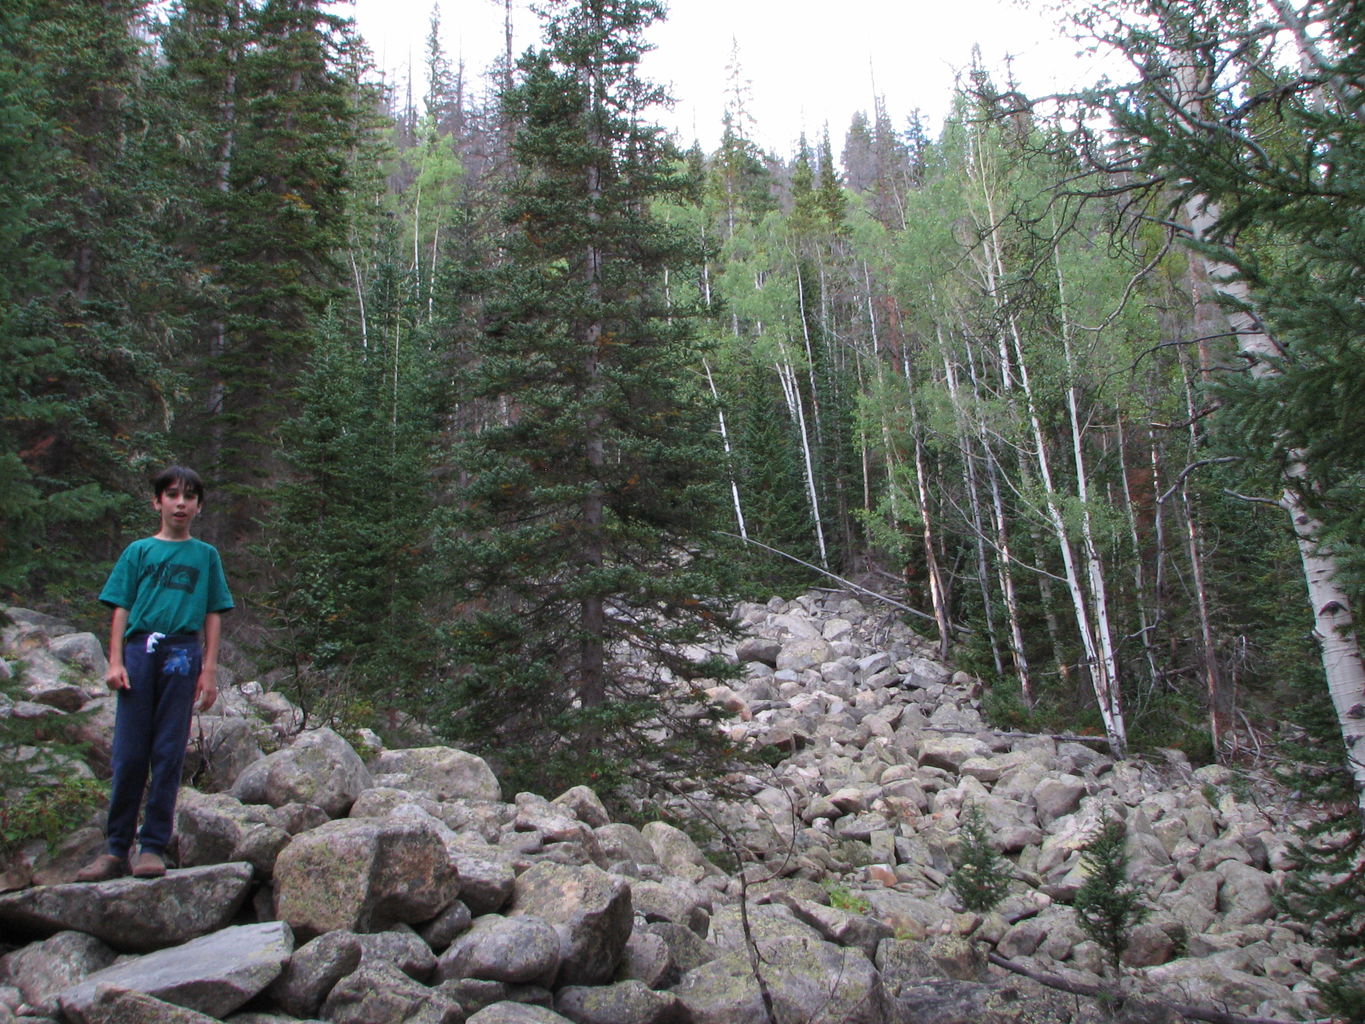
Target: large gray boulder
pixel 112 1005
pixel 1246 895
pixel 363 875
pixel 381 994
pixel 43 970
pixel 673 900
pixel 443 773
pixel 221 749
pixel 83 651
pixel 800 976
pixel 518 950
pixel 132 914
pixel 804 653
pixel 589 908
pixel 487 874
pixel 517 1013
pixel 677 854
pixel 214 828
pixel 214 974
pixel 319 768
pixel 314 970
pixel 626 1002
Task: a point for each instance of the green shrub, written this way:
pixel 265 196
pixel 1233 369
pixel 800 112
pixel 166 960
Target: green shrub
pixel 47 813
pixel 1108 906
pixel 982 877
pixel 841 897
pixel 40 797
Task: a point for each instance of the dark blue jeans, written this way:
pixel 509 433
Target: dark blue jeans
pixel 151 728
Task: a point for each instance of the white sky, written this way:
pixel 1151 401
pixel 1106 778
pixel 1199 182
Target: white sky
pixel 806 69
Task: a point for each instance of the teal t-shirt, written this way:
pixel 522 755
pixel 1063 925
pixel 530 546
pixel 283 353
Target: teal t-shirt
pixel 168 586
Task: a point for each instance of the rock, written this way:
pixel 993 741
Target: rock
pixel 440 931
pixel 958 957
pixel 622 842
pixel 56 694
pixel 42 970
pixel 1022 939
pixel 1246 896
pixel 133 914
pixel 842 927
pixel 319 768
pixel 112 1005
pixel 647 960
pixel 1056 796
pixel 586 806
pixel 672 900
pixel 83 651
pixel 214 828
pixel 487 876
pixel 590 909
pixel 908 914
pixel 313 970
pixel 950 752
pixel 443 773
pixel 517 1013
pixel 399 947
pixel 676 853
pixel 1149 944
pixel 799 976
pixel 626 1002
pixel 221 749
pixel 758 649
pixel 213 975
pixel 686 949
pixel 363 874
pixel 380 993
pixel 94 730
pixel 803 653
pixel 521 950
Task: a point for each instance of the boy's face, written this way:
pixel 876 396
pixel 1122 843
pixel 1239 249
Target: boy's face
pixel 177 508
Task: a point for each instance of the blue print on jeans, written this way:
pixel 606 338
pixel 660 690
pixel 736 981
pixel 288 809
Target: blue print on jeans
pixel 177 663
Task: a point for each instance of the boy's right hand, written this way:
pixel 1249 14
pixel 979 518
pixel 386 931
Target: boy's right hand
pixel 116 678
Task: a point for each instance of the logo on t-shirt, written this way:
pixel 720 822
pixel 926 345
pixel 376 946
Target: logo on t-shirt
pixel 173 576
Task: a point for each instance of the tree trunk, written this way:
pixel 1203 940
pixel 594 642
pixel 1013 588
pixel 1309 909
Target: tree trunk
pixel 1333 617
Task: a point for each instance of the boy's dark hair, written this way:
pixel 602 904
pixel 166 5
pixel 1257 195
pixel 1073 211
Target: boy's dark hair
pixel 187 478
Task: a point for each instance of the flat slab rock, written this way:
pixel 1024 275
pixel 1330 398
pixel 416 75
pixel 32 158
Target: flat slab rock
pixel 133 915
pixel 213 975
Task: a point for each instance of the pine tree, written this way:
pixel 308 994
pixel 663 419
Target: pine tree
pixel 1107 904
pixel 284 216
pixel 981 879
pixel 349 533
pixel 91 292
pixel 583 540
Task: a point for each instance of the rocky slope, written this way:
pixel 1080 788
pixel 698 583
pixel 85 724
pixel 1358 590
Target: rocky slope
pixel 319 882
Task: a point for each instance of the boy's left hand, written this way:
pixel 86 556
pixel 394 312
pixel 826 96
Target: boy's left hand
pixel 206 690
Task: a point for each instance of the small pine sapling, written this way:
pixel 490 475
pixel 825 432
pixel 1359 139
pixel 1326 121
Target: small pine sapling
pixel 1108 906
pixel 982 877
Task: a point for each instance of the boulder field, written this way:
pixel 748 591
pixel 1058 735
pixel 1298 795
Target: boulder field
pixel 349 883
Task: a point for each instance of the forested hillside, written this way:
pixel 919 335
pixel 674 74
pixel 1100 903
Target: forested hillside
pixel 503 395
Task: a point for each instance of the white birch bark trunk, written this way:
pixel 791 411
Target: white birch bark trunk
pixel 1099 657
pixel 1333 617
pixel 729 452
pixel 1094 566
pixel 792 392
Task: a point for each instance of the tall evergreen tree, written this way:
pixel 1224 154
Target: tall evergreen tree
pixel 285 216
pixel 90 289
pixel 583 540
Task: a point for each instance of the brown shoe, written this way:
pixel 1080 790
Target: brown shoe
pixel 103 868
pixel 148 865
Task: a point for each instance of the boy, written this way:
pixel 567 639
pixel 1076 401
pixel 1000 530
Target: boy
pixel 164 590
